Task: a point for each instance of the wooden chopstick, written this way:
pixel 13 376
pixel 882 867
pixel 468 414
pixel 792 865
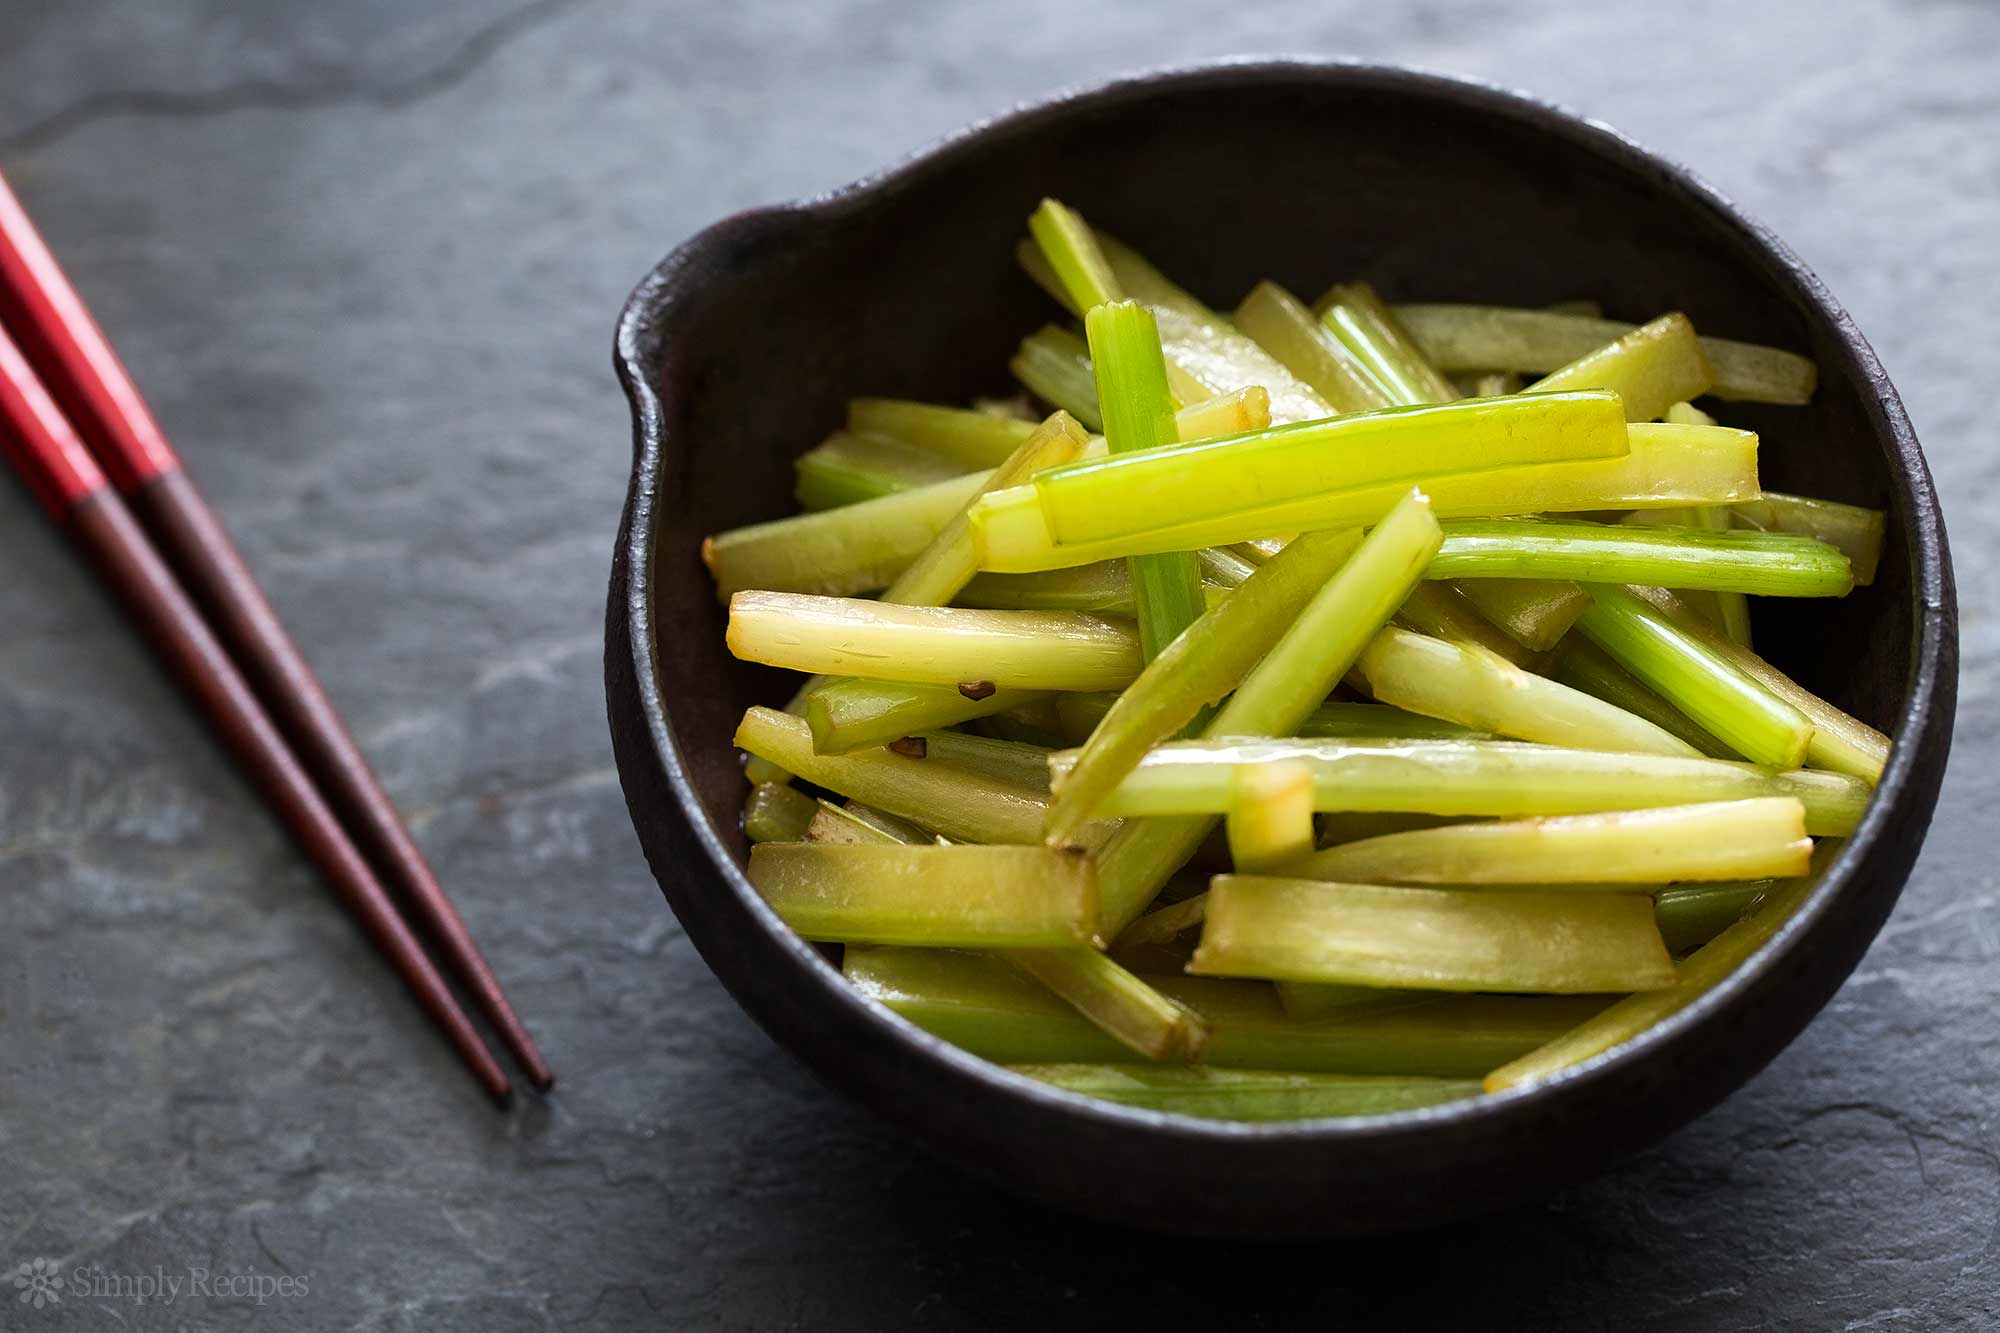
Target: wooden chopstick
pixel 40 308
pixel 41 445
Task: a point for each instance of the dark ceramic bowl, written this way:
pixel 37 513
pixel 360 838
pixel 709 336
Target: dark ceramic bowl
pixel 740 350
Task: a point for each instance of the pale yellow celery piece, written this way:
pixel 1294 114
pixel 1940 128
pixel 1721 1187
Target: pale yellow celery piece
pixel 1442 611
pixel 1722 840
pixel 1653 367
pixel 1687 414
pixel 1857 531
pixel 1534 612
pixel 967 436
pixel 1270 818
pixel 1282 326
pixel 1163 924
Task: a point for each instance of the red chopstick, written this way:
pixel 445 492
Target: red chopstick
pixel 46 451
pixel 43 312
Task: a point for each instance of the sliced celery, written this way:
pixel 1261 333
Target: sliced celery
pixel 1069 246
pixel 1081 713
pixel 1287 330
pixel 1313 1002
pixel 1105 587
pixel 1720 840
pixel 1511 940
pixel 1246 1094
pixel 968 437
pixel 1162 925
pixel 1442 611
pixel 1582 665
pixel 855 823
pixel 1766 563
pixel 1357 317
pixel 1028 650
pixel 1856 531
pixel 1485 692
pixel 1687 414
pixel 846 468
pixel 1270 821
pixel 1690 917
pixel 849 714
pixel 986 1007
pixel 1475 337
pixel 1194 778
pixel 775 813
pixel 1054 365
pixel 1010 761
pixel 1653 367
pixel 950 896
pixel 1688 672
pixel 837 552
pixel 1535 613
pixel 1117 1001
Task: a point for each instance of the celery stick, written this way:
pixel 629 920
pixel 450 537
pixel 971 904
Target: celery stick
pixel 1513 940
pixel 1732 607
pixel 1164 924
pixel 1856 531
pixel 957 803
pixel 1313 1002
pixel 991 1010
pixel 1687 414
pixel 1029 650
pixel 1117 1001
pixel 1009 761
pixel 1104 587
pixel 1769 564
pixel 1139 417
pixel 967 437
pixel 776 813
pixel 1053 364
pixel 1124 493
pixel 1699 973
pixel 837 552
pixel 1474 337
pixel 1840 741
pixel 1357 317
pixel 1259 550
pixel 1287 330
pixel 1653 367
pixel 1201 666
pixel 847 467
pixel 1485 692
pixel 1071 249
pixel 1720 840
pixel 1534 612
pixel 1667 465
pixel 951 896
pixel 1690 917
pixel 1080 714
pixel 1464 778
pixel 846 715
pixel 1442 611
pixel 1270 821
pixel 1249 1095
pixel 1691 675
pixel 1582 665
pixel 857 823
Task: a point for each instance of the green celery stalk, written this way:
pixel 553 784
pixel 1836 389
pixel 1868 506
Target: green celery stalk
pixel 1509 940
pixel 1287 330
pixel 1053 364
pixel 1199 668
pixel 988 1008
pixel 1582 665
pixel 1721 840
pixel 1856 531
pixel 1766 563
pixel 775 813
pixel 1104 587
pixel 1687 672
pixel 1163 925
pixel 1270 822
pixel 1138 418
pixel 1442 611
pixel 1357 317
pixel 1482 691
pixel 1692 916
pixel 847 715
pixel 1474 337
pixel 1535 613
pixel 1666 465
pixel 1117 1001
pixel 1081 713
pixel 1249 1095
pixel 1313 1002
pixel 1193 778
pixel 1010 761
pixel 1028 650
pixel 856 823
pixel 1653 367
pixel 1070 247
pixel 846 467
pixel 1699 973
pixel 946 897
pixel 966 436
pixel 1840 741
pixel 1729 611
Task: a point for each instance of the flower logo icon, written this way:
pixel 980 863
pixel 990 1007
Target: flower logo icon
pixel 40 1283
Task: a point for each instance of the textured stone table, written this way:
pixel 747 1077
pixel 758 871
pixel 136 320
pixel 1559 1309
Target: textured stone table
pixel 365 259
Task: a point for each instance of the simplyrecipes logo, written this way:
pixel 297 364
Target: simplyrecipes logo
pixel 42 1283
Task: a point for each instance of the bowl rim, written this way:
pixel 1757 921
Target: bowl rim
pixel 1922 723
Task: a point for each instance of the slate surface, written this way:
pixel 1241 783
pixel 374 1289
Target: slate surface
pixel 365 259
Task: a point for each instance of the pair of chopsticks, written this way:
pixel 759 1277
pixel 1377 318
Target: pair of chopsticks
pixel 73 425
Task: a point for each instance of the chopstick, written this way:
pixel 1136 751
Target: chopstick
pixel 41 445
pixel 63 344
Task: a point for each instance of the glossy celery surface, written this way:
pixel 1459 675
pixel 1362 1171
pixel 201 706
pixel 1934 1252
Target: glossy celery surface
pixel 837 552
pixel 1270 821
pixel 1666 466
pixel 1028 650
pixel 1139 418
pixel 1010 761
pixel 1475 337
pixel 1360 321
pixel 1442 611
pixel 1533 612
pixel 1723 840
pixel 969 438
pixel 988 1008
pixel 846 468
pixel 1498 778
pixel 1582 665
pixel 1070 248
pixel 1764 563
pixel 1691 675
pixel 1729 611
pixel 949 896
pixel 851 714
pixel 1054 365
pixel 1484 692
pixel 1081 714
pixel 774 812
pixel 1104 587
pixel 1855 530
pixel 1692 916
pixel 1198 669
pixel 1247 1094
pixel 1117 1001
pixel 1287 330
pixel 1656 365
pixel 1509 940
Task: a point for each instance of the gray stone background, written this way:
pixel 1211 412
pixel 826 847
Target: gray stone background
pixel 364 257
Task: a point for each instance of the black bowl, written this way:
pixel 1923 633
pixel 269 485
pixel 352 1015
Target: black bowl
pixel 741 348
